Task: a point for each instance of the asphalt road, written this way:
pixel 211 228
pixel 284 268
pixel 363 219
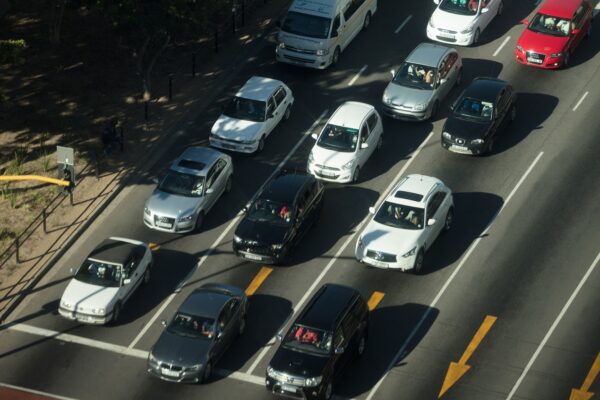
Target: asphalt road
pixel 522 248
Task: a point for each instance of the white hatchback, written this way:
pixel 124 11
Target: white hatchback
pixel 346 142
pixel 251 115
pixel 461 22
pixel 406 224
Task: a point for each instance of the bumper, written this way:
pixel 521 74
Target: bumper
pixel 178 227
pixel 404 264
pixel 548 63
pixel 85 318
pixel 284 390
pixel 304 60
pixel 181 377
pixel 341 176
pixel 263 257
pixel 460 39
pixel 405 115
pixel 472 149
pixel 238 147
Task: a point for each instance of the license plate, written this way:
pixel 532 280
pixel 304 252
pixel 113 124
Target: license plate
pixel 327 174
pixel 168 372
pixel 164 224
pixel 288 388
pixel 378 264
pixel 84 318
pixel 460 149
pixel 534 60
pixel 253 257
pixel 447 35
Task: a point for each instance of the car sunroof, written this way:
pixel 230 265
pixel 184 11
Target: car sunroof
pixel 400 194
pixel 192 164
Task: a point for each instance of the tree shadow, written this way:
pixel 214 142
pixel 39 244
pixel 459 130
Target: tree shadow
pixel 389 330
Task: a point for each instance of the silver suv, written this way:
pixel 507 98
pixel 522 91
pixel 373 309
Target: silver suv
pixel 188 190
pixel 422 82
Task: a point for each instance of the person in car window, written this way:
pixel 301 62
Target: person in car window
pixel 285 213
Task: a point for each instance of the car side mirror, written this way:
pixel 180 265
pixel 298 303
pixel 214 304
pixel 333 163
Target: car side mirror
pixel 525 21
pixel 163 322
pixel 270 115
pixel 339 350
pixel 314 136
pixel 335 33
pixel 443 80
pixel 436 1
pixel 372 210
pixel 484 10
pixel 155 180
pixel 364 145
pixel 210 190
pixel 219 335
pixel 431 221
pixel 126 281
pixel 575 31
pixel 279 336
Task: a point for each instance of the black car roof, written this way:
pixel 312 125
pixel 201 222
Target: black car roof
pixel 327 306
pixel 114 251
pixel 284 188
pixel 485 89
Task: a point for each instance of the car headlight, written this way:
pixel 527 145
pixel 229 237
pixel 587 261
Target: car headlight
pixel 519 48
pixel 446 135
pixel 248 141
pixel 468 30
pixel 555 55
pixel 322 52
pixel 311 158
pixel 348 165
pixel 411 252
pixel 386 99
pixel 152 359
pixel 186 218
pixel 147 211
pixel 315 381
pixel 237 239
pixel 270 372
pixel 197 367
pixel 431 23
pixel 66 305
pixel 277 246
pixel 281 45
pixel 420 107
pixel 99 311
pixel 477 141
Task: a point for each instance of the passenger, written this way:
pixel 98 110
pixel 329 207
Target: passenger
pixel 429 77
pixel 285 213
pixel 473 4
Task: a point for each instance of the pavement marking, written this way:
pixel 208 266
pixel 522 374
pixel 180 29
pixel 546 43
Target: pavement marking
pixel 581 99
pixel 402 24
pixel 537 2
pixel 357 75
pixel 584 391
pixel 154 246
pixel 393 73
pixel 553 327
pixel 501 46
pixel 457 370
pixel 217 242
pixel 30 391
pixel 309 291
pixel 450 279
pixel 258 280
pixel 376 297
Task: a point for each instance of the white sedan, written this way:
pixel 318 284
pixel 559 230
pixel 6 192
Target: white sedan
pixel 406 224
pixel 253 113
pixel 461 22
pixel 350 136
pixel 106 280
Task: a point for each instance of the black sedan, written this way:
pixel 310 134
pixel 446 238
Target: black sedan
pixel 481 112
pixel 203 328
pixel 278 218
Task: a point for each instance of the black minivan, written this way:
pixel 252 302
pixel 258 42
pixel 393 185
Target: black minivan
pixel 327 335
pixel 278 218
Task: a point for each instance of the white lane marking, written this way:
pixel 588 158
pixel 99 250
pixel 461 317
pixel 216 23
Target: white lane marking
pixel 553 327
pixel 224 233
pixel 32 391
pixel 581 99
pixel 357 75
pixel 501 46
pixel 450 279
pixel 537 2
pixel 308 292
pixel 402 24
pixel 392 72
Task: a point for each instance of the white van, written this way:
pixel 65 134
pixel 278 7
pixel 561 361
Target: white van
pixel 315 32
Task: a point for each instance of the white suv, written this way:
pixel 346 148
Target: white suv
pixel 346 142
pixel 406 224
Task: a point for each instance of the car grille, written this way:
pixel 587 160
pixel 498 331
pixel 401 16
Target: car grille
pixel 381 256
pixel 164 221
pixel 297 50
pixel 288 379
pixel 299 59
pixel 447 31
pixel 326 167
pixel 256 249
pixel 446 39
pixel 231 140
pixel 171 367
pixel 536 58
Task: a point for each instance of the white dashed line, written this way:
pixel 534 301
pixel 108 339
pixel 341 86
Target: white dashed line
pixel 402 24
pixel 392 72
pixel 501 46
pixel 357 75
pixel 43 394
pixel 580 101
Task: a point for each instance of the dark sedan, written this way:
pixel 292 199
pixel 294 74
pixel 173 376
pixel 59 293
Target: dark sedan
pixel 481 112
pixel 203 328
pixel 281 214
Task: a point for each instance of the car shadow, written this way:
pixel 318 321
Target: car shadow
pixel 389 330
pixel 473 212
pixel 587 50
pixel 514 12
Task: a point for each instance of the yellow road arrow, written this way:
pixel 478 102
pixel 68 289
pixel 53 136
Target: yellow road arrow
pixel 457 370
pixel 583 393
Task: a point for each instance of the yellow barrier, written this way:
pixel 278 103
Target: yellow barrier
pixel 54 181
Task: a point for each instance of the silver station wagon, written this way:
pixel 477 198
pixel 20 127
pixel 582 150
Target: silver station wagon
pixel 422 82
pixel 188 190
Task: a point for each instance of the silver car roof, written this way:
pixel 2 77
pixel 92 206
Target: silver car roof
pixel 428 54
pixel 196 161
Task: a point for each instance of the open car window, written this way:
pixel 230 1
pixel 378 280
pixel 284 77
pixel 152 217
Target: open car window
pixel 400 216
pixel 99 273
pixel 181 184
pixel 246 109
pixel 308 339
pixel 192 326
pixel 274 212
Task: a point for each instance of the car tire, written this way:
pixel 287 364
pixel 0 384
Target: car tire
pixel 434 109
pixel 476 37
pixel 207 372
pixel 199 222
pixel 500 8
pixel 116 313
pixel 362 343
pixel 458 81
pixel 146 278
pixel 588 34
pixel 379 143
pixel 242 326
pixel 356 174
pixel 228 184
pixel 449 219
pixel 328 391
pixel 513 113
pixel 566 59
pixel 336 56
pixel 490 147
pixel 419 260
pixel 287 113
pixel 261 145
pixel 367 20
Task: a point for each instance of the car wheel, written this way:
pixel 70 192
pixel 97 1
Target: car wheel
pixel 287 113
pixel 207 372
pixel 336 56
pixel 242 326
pixel 434 110
pixel 356 174
pixel 362 343
pixel 589 32
pixel 566 59
pixel 199 221
pixel 328 391
pixel 449 220
pixel 147 276
pixel 500 8
pixel 228 185
pixel 513 113
pixel 419 259
pixel 476 36
pixel 261 144
pixel 459 78
pixel 367 20
pixel 116 313
pixel 490 147
pixel 379 143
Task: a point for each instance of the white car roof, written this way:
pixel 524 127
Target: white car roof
pixel 258 88
pixel 320 8
pixel 350 114
pixel 413 189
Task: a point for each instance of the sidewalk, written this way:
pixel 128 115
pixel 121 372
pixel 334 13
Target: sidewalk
pixel 145 143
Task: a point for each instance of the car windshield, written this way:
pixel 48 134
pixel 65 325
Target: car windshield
pixel 192 326
pixel 178 183
pixel 306 25
pixel 463 7
pixel 246 109
pixel 416 76
pixel 273 212
pixel 338 138
pixel 99 273
pixel 550 25
pixel 474 109
pixel 400 216
pixel 308 339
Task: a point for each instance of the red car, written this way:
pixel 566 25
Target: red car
pixel 554 33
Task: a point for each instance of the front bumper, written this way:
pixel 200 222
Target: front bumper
pixel 173 227
pixel 401 263
pixel 403 114
pixel 330 175
pixel 301 59
pixel 92 319
pixel 546 63
pixel 457 38
pixel 262 254
pixel 465 148
pixel 234 146
pixel 182 376
pixel 282 389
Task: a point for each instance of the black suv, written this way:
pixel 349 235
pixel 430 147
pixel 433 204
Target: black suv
pixel 329 333
pixel 278 218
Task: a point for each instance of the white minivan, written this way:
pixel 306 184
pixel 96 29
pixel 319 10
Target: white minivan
pixel 315 32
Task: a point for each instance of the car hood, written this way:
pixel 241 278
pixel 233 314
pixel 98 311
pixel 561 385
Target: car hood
pixel 180 350
pixel 86 296
pixel 331 158
pixel 379 237
pixel 298 363
pixel 466 129
pixel 172 205
pixel 301 42
pixel 236 129
pixel 454 22
pixel 406 96
pixel 541 43
pixel 262 232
